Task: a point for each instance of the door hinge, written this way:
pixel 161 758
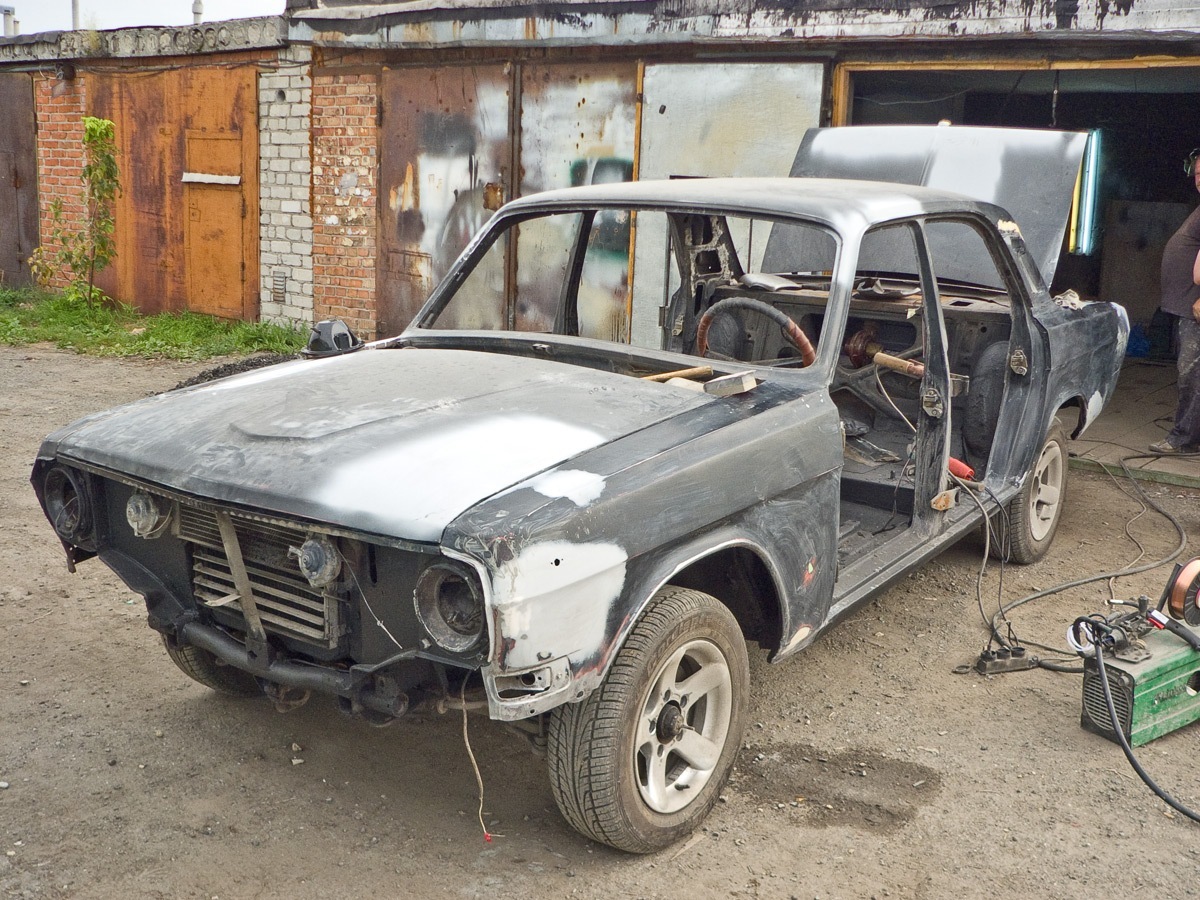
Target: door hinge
pixel 1019 362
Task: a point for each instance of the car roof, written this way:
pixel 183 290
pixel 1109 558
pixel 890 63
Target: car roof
pixel 838 202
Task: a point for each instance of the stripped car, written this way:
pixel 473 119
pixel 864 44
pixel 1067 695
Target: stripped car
pixel 636 426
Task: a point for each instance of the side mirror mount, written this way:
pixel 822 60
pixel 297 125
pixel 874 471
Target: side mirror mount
pixel 332 337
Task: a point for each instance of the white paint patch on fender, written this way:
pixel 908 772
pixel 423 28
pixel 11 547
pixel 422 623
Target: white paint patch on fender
pixel 580 487
pixel 553 599
pixel 1094 406
pixel 801 634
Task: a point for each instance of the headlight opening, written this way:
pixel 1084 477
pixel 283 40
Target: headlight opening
pixel 449 604
pixel 68 504
pixel 145 516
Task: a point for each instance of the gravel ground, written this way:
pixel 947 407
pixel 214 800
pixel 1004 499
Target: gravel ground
pixel 871 769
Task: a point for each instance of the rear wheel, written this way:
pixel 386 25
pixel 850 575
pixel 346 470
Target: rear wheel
pixel 640 762
pixel 200 665
pixel 1034 514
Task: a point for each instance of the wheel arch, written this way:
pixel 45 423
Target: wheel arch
pixel 732 567
pixel 1073 411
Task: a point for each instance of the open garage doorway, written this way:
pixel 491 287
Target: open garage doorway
pixel 1147 120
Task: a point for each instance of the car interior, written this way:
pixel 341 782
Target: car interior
pixel 743 292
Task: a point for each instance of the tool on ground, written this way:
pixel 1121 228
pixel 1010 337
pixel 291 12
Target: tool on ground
pixel 1152 662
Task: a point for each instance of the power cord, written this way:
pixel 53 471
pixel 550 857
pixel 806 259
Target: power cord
pixel 1104 576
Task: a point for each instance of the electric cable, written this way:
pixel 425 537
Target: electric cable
pixel 987 549
pixel 912 450
pixel 1112 593
pixel 888 398
pixel 1053 666
pixel 1119 573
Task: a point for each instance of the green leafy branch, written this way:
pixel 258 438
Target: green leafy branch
pixel 84 251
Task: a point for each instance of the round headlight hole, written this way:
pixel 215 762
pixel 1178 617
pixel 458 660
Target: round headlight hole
pixel 449 604
pixel 67 504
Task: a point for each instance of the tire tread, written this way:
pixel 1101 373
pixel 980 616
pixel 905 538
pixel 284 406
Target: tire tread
pixel 583 749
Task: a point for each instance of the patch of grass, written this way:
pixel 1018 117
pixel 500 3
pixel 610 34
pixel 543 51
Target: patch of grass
pixel 29 315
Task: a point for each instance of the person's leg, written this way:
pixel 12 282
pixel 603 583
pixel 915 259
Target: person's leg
pixel 1185 435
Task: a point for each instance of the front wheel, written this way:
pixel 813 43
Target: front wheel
pixel 202 666
pixel 1034 513
pixel 639 763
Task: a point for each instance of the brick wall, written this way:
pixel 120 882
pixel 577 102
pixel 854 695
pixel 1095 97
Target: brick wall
pixel 60 106
pixel 285 187
pixel 344 189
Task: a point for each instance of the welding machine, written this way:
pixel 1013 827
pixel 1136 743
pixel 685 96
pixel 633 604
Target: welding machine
pixel 1154 669
pixel 1154 692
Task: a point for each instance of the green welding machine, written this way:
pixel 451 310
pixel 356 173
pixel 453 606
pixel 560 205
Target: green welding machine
pixel 1155 685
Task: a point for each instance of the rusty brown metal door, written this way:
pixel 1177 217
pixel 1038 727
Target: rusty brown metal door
pixel 187 217
pixel 445 137
pixel 447 148
pixel 18 179
pixel 212 236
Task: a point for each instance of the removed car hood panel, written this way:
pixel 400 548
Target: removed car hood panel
pixel 1029 173
pixel 394 442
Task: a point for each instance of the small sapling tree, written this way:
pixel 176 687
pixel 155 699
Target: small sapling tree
pixel 87 247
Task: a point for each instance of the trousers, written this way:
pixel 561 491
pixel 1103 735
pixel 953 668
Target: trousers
pixel 1186 431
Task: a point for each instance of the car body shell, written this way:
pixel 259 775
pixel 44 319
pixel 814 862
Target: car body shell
pixel 573 490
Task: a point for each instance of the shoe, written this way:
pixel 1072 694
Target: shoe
pixel 1164 447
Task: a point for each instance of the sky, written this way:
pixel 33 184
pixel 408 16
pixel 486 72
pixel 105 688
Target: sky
pixel 55 15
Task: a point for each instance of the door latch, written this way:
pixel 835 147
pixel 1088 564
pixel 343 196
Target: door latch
pixel 931 403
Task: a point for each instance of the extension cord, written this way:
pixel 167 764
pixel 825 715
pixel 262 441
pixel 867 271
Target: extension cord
pixel 994 662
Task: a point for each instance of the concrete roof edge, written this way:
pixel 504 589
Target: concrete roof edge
pixel 134 43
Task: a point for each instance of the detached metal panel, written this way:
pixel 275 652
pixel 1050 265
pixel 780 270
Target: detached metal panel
pixel 715 119
pixel 18 179
pixel 1027 172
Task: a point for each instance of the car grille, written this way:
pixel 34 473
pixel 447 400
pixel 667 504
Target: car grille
pixel 287 603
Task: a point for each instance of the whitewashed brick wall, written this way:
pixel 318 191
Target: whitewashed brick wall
pixel 285 188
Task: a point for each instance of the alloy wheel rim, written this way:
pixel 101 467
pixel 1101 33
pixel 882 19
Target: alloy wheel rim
pixel 683 726
pixel 1046 496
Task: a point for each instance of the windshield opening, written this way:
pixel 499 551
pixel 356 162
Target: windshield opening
pixel 647 278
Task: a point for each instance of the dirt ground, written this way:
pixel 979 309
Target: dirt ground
pixel 871 769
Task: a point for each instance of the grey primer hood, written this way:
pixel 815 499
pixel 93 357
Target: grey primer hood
pixel 393 442
pixel 1029 173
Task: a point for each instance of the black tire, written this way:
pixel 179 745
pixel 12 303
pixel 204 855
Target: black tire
pixel 982 412
pixel 602 751
pixel 200 665
pixel 1034 513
